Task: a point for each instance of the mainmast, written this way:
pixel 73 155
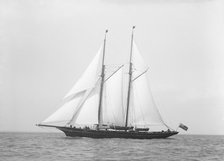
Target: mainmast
pixel 130 78
pixel 102 84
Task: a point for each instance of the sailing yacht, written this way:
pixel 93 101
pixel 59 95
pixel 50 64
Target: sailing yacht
pixel 95 106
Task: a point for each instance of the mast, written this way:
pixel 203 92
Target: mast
pixel 130 78
pixel 102 84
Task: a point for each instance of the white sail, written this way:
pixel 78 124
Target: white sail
pixel 63 115
pixel 75 99
pixel 80 105
pixel 113 112
pixel 143 110
pixel 89 77
pixel 88 113
pixel 138 62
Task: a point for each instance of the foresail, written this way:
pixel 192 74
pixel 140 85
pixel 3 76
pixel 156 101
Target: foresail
pixel 64 114
pixel 89 77
pixel 88 111
pixel 113 112
pixel 77 96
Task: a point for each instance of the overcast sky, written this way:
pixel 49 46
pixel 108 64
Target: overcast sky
pixel 45 45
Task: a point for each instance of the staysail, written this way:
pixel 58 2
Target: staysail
pixel 81 94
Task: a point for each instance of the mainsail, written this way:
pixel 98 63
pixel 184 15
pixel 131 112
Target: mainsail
pixel 143 111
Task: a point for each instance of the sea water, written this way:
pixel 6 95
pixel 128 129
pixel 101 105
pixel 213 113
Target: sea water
pixel 58 147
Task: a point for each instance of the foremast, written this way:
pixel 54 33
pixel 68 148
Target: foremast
pixel 102 84
pixel 129 80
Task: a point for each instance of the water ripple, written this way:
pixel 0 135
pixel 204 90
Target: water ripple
pixel 57 147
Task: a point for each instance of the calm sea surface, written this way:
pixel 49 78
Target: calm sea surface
pixel 57 147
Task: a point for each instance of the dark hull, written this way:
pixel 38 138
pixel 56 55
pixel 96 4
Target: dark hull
pixel 74 132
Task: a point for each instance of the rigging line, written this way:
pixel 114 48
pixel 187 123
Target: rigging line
pixel 82 101
pixel 169 127
pixel 61 121
pixel 114 73
pixel 64 101
pixel 112 65
pixel 140 75
pixel 156 107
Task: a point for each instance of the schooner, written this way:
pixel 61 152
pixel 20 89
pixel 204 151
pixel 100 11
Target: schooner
pixel 95 107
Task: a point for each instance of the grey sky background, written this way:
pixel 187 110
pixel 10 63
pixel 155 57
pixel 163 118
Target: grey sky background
pixel 45 45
